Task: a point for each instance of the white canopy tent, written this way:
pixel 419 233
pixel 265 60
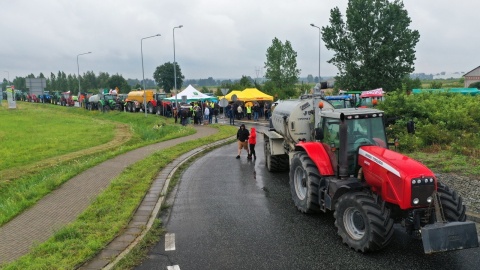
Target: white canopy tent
pixel 192 94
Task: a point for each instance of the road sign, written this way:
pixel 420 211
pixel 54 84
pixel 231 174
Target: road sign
pixel 223 102
pixel 224 91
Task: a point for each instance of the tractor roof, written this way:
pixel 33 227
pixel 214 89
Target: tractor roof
pixel 351 111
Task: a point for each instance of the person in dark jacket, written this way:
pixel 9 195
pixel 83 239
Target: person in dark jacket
pixel 242 138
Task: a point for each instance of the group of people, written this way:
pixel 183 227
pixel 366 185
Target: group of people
pixel 249 110
pixel 202 113
pixel 247 140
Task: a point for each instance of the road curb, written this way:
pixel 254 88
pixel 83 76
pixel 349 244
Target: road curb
pixel 145 215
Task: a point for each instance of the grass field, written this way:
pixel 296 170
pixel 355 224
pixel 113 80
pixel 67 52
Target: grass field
pixel 86 134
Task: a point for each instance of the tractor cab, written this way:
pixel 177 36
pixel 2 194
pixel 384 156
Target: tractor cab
pixel 344 131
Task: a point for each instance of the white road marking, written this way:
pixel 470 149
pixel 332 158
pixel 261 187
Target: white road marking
pixel 170 242
pixel 175 267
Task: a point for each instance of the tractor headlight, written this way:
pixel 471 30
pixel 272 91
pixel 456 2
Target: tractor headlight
pixel 429 199
pixel 414 182
pixel 416 201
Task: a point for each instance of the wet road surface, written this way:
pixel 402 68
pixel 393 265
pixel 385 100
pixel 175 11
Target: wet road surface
pixel 233 214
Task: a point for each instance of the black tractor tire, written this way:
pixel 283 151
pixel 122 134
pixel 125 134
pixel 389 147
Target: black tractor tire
pixel 362 223
pixel 274 163
pixel 130 107
pixel 106 108
pixel 150 108
pixel 452 203
pixel 304 182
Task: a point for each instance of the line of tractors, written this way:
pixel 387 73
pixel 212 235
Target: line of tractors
pixel 134 101
pixel 106 100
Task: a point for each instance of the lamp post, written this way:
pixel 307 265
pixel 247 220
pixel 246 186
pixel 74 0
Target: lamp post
pixel 175 67
pixel 143 74
pixel 319 39
pixel 78 74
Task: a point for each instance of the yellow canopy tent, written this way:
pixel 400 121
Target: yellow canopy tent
pixel 253 94
pixel 229 95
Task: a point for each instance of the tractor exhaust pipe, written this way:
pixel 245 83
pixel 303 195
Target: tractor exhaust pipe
pixel 343 159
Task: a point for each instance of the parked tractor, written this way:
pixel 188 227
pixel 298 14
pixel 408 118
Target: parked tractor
pixel 102 102
pixel 66 99
pixel 55 97
pixel 339 160
pixel 121 101
pixel 45 97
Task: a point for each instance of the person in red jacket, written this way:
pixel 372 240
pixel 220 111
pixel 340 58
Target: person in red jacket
pixel 252 140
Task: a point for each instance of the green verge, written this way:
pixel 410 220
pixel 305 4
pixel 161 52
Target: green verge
pixel 108 214
pixel 22 193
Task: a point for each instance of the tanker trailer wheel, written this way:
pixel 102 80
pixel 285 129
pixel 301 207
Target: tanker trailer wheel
pixel 452 204
pixel 304 181
pixel 276 163
pixel 363 224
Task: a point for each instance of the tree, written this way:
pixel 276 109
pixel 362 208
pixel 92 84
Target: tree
pixel 246 82
pixel 374 48
pixel 120 82
pixel 102 79
pixel 281 69
pixel 164 76
pixel 310 78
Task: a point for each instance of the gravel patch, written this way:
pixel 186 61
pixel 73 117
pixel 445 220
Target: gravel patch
pixel 468 188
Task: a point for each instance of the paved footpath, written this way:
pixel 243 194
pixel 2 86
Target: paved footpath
pixel 64 204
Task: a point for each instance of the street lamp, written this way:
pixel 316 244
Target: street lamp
pixel 319 39
pixel 143 74
pixel 175 67
pixel 78 74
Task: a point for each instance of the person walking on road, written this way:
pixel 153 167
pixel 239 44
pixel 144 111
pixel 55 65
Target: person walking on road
pixel 252 140
pixel 242 138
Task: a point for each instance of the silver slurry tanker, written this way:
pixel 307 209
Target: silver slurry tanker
pixel 292 121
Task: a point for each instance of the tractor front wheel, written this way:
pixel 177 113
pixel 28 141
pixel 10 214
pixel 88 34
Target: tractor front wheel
pixel 363 223
pixel 304 181
pixel 452 204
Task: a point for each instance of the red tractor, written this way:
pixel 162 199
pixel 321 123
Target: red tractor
pixel 66 99
pixel 339 161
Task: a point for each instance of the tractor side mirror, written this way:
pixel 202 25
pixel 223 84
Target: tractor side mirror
pixel 318 134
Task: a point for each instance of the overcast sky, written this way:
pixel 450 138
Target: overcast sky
pixel 219 38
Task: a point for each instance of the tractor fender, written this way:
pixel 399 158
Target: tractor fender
pixel 337 188
pixel 318 155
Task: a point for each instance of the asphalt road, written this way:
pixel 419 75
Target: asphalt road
pixel 234 214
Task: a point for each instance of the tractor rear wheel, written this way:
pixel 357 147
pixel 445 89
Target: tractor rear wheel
pixel 452 203
pixel 304 181
pixel 363 224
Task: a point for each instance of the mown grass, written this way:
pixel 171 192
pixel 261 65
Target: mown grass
pixel 109 213
pixel 32 133
pixel 19 194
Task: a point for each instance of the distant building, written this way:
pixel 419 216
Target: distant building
pixel 472 76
